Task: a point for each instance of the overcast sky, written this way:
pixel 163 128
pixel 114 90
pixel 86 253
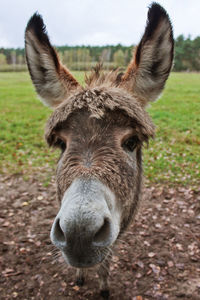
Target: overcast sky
pixel 93 22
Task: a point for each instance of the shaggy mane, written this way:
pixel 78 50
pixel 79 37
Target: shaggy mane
pixel 97 77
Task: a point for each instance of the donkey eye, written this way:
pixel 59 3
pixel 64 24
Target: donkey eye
pixel 61 144
pixel 130 144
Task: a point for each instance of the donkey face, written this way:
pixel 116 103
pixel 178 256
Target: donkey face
pixel 100 129
pixel 98 179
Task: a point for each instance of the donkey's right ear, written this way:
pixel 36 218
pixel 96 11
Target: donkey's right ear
pixel 53 82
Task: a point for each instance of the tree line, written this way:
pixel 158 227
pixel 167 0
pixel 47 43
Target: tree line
pixel 187 56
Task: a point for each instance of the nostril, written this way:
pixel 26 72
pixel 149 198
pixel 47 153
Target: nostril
pixel 101 237
pixel 58 233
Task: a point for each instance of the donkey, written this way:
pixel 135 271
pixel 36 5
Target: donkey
pixel 100 129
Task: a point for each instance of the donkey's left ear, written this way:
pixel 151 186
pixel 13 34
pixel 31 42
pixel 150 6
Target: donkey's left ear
pixel 150 67
pixel 53 82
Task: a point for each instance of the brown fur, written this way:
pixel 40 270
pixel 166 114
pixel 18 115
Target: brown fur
pixel 95 151
pixel 91 114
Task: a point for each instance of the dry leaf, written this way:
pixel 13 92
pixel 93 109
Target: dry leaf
pixel 151 254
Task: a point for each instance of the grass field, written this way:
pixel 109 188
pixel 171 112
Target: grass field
pixel 173 157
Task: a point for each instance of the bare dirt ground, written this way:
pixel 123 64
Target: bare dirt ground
pixel 158 258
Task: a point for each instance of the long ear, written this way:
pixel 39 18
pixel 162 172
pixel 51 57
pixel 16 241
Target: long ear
pixel 150 67
pixel 53 82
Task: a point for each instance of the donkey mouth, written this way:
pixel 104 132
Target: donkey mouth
pixel 84 261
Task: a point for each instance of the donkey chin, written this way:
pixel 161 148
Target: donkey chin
pixel 87 223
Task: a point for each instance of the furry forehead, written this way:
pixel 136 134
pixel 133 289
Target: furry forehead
pixel 98 101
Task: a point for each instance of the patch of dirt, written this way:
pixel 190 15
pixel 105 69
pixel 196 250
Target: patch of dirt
pixel 157 258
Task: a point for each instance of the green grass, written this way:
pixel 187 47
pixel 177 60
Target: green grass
pixel 173 156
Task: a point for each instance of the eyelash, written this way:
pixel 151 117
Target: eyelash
pixel 130 144
pixel 60 144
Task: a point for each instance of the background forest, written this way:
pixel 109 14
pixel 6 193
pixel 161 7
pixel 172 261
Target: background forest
pixel 82 58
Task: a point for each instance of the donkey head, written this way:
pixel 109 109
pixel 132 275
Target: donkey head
pixel 100 129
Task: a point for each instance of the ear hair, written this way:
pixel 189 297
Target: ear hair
pixel 150 67
pixel 53 82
